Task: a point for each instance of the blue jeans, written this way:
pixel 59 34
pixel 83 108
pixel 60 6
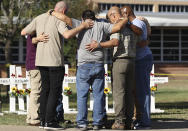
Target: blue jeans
pixel 143 94
pixel 90 74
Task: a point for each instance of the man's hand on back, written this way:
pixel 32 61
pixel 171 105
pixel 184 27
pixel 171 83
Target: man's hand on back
pixel 43 38
pixel 92 46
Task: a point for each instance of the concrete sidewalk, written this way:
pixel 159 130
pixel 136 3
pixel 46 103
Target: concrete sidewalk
pixel 159 125
pixel 31 128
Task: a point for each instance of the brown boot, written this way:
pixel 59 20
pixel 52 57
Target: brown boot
pixel 118 125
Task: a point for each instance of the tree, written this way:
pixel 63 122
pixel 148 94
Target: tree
pixel 11 12
pixel 16 14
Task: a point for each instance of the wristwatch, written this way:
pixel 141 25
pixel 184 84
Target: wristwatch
pixel 99 45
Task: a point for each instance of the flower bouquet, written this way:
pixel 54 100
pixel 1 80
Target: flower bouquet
pixel 19 92
pixel 154 88
pixel 14 91
pixel 107 91
pixel 67 91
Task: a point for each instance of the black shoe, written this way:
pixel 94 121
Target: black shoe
pixel 82 127
pixel 142 127
pixel 105 122
pixel 97 127
pixel 53 126
pixel 42 123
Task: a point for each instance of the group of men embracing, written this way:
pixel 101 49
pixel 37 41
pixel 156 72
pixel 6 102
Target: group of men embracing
pixel 132 62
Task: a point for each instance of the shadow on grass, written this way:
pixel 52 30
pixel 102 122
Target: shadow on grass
pixel 170 119
pixel 169 124
pixel 173 117
pixel 173 105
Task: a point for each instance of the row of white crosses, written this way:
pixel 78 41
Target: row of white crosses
pixel 17 79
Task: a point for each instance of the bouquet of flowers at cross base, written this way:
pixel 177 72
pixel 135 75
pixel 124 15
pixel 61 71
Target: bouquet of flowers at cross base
pixel 107 90
pixel 19 92
pixel 154 88
pixel 67 91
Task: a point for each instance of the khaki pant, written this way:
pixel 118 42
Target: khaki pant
pixel 33 111
pixel 123 84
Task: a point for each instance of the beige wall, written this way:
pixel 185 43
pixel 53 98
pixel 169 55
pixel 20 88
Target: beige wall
pixel 155 3
pixel 143 2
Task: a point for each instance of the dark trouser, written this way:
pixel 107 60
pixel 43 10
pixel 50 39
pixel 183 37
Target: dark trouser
pixel 143 69
pixel 52 78
pixel 123 84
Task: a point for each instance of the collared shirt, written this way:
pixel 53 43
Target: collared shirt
pixel 127 43
pixel 49 53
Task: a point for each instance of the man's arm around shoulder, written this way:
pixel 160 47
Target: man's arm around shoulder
pixel 71 33
pixel 117 27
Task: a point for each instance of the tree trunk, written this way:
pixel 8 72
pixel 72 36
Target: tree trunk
pixel 8 54
pixel 8 58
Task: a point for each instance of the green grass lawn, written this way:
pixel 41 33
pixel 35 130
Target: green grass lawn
pixel 171 97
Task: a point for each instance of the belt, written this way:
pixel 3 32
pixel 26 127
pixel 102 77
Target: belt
pixel 128 57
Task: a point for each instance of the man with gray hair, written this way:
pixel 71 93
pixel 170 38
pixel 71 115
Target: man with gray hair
pixel 50 61
pixel 123 68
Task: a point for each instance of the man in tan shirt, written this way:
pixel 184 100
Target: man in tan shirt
pixel 50 60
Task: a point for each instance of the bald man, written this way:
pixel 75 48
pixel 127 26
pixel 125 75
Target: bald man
pixel 123 72
pixel 123 68
pixel 50 61
pixel 144 61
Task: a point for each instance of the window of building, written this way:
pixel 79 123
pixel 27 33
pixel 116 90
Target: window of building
pixel 173 8
pixel 155 44
pixel 184 44
pixel 18 50
pixel 169 45
pixel 135 7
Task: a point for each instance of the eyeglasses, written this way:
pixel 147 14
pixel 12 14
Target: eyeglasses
pixel 113 13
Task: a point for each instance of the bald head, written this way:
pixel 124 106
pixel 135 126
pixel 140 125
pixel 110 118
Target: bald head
pixel 127 11
pixel 113 10
pixel 61 7
pixel 114 14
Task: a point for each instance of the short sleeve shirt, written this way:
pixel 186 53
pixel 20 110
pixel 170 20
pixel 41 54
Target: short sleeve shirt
pixel 99 32
pixel 141 52
pixel 127 43
pixel 50 53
